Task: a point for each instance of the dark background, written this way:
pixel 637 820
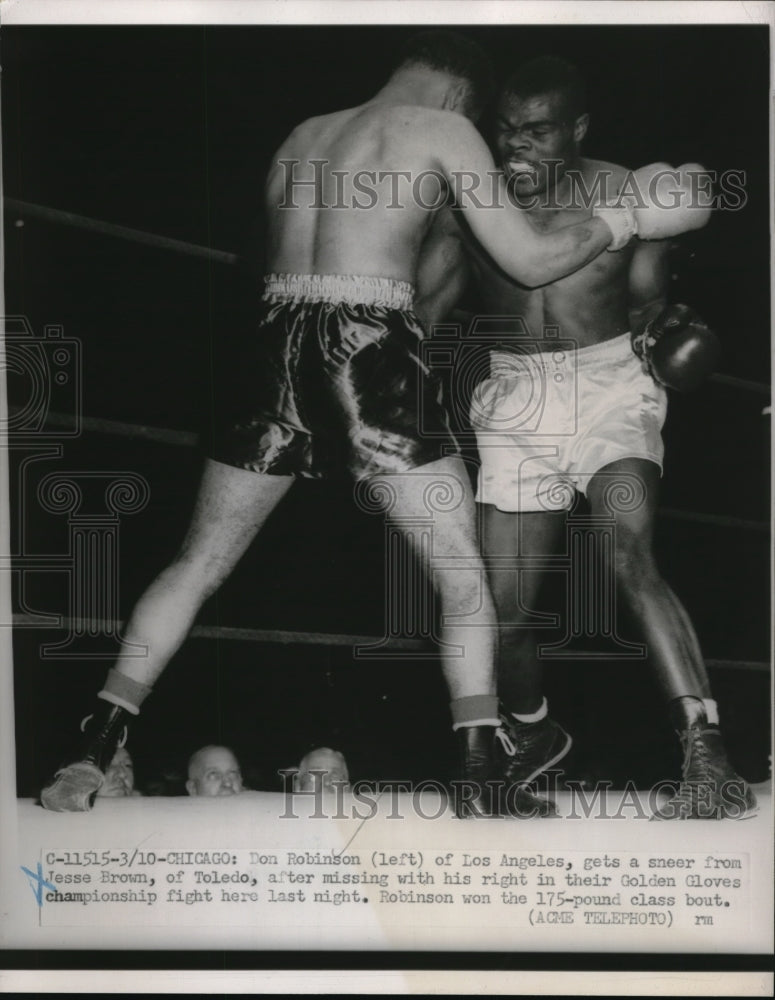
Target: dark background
pixel 169 130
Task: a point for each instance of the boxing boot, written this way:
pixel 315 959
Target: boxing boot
pixel 537 747
pixel 76 784
pixel 482 792
pixel 709 787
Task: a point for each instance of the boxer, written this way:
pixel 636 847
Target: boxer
pixel 339 380
pixel 603 404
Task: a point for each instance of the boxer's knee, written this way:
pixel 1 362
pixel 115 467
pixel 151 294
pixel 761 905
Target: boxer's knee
pixel 463 592
pixel 635 566
pixel 197 574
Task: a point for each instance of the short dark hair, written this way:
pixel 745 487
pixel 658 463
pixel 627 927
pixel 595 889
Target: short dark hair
pixel 456 55
pixel 550 73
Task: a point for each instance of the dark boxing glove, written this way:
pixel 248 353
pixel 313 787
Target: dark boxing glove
pixel 677 348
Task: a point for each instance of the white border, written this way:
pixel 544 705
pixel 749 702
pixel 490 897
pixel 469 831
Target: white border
pixel 216 12
pixel 380 981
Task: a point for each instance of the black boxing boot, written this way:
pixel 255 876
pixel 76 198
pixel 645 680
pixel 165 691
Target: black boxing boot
pixel 518 799
pixel 537 746
pixel 473 793
pixel 76 784
pixel 710 788
pixel 482 792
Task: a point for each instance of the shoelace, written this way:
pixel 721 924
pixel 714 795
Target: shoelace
pixel 521 740
pixel 505 741
pixel 696 771
pixel 696 763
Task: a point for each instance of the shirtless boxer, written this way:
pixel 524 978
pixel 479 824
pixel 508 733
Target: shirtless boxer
pixel 339 382
pixel 619 404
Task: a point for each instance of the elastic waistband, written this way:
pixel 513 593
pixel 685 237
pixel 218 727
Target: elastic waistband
pixel 509 364
pixel 348 289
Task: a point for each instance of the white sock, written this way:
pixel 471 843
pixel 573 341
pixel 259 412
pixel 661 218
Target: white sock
pixel 711 710
pixel 475 722
pixel 542 712
pixel 119 702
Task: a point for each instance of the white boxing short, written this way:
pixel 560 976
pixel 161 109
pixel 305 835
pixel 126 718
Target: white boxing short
pixel 546 422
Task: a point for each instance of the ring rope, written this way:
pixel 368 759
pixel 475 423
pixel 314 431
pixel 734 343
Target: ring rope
pixel 720 520
pixel 289 638
pixel 30 210
pixel 741 383
pixel 99 425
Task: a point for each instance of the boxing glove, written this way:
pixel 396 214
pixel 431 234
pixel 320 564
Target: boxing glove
pixel 668 201
pixel 657 202
pixel 677 348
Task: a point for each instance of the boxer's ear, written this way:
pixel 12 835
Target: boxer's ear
pixel 580 127
pixel 456 97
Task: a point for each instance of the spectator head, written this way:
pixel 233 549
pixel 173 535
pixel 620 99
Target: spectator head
pixel 119 777
pixel 320 765
pixel 214 771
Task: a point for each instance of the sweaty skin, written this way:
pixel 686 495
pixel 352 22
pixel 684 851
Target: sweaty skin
pixel 611 295
pixel 368 146
pixel 589 306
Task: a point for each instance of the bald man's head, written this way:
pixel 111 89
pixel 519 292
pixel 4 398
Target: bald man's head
pixel 329 766
pixel 214 771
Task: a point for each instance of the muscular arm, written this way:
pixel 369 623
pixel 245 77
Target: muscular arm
pixel 649 282
pixel 442 271
pixel 530 257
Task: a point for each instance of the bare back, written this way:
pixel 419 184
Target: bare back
pixel 361 210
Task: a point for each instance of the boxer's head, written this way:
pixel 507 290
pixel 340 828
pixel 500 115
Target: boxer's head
pixel 119 777
pixel 465 83
pixel 214 771
pixel 321 759
pixel 541 116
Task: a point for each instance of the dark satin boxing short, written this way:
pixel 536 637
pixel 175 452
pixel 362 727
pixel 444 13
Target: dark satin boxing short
pixel 337 384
